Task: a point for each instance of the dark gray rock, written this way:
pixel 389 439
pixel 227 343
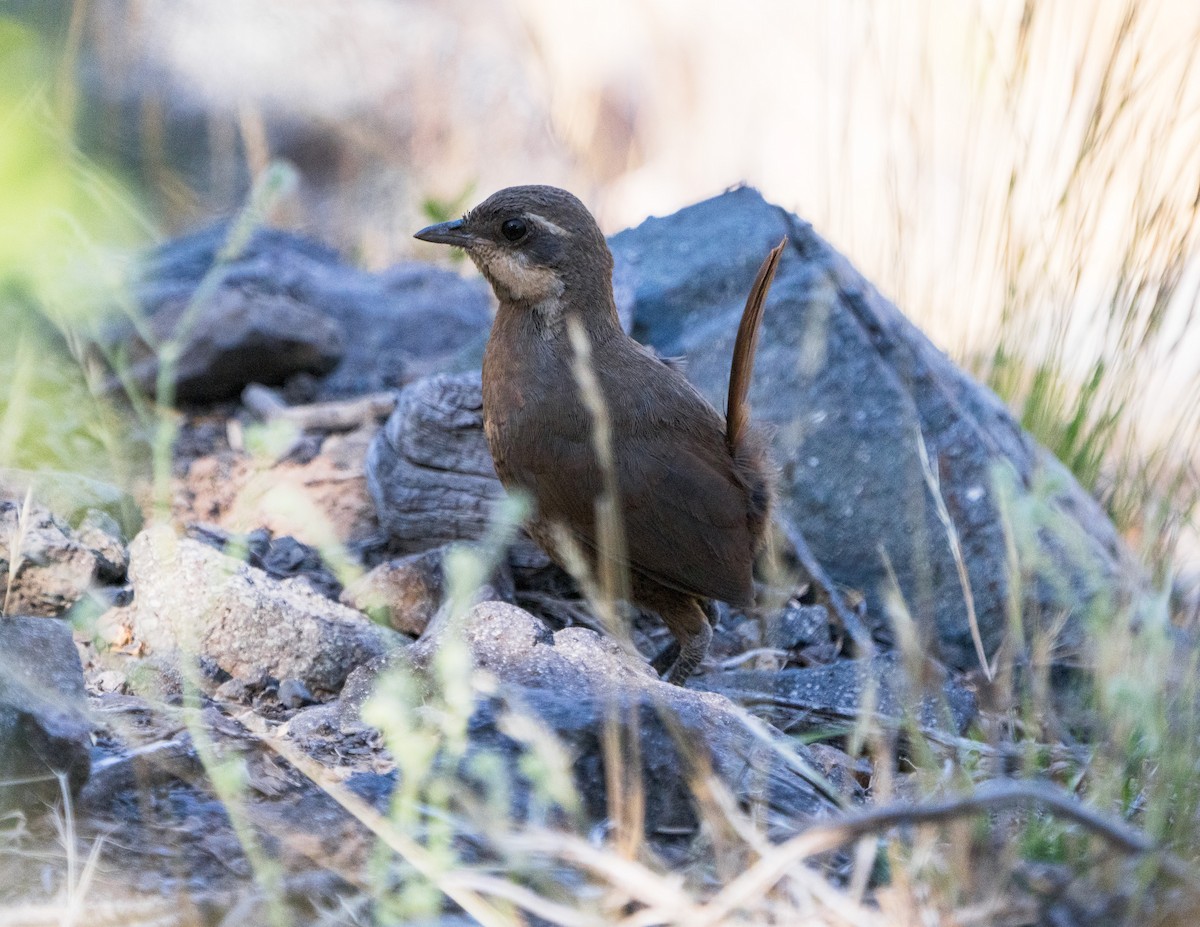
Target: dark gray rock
pixel 847 385
pixel 293 693
pixel 796 626
pixel 388 328
pixel 279 557
pixel 673 744
pixel 191 598
pixel 43 712
pixel 286 557
pixel 430 320
pixel 430 472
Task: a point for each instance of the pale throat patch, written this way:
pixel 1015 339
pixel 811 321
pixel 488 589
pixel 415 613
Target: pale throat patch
pixel 519 280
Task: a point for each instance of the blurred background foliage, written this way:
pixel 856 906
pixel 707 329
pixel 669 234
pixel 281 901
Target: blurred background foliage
pixel 69 230
pixel 1022 178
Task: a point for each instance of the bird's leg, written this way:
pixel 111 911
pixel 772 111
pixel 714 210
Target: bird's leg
pixel 670 654
pixel 688 622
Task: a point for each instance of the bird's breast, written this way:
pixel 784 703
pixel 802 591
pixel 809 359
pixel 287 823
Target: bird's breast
pixel 523 394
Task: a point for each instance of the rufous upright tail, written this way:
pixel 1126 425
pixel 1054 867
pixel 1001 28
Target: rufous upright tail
pixel 737 410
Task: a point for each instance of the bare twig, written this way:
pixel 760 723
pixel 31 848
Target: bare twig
pixel 342 415
pixel 827 591
pixel 747 655
pixel 990 796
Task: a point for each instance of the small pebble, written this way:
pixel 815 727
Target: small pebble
pixel 293 693
pixel 233 690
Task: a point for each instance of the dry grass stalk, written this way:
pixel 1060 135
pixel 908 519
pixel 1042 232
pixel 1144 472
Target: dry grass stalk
pixel 16 543
pixel 933 483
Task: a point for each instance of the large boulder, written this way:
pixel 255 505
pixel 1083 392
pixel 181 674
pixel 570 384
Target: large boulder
pixel 850 390
pixel 849 387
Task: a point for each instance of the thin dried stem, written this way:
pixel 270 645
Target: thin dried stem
pixel 933 483
pixel 16 542
pixel 408 849
pixel 622 739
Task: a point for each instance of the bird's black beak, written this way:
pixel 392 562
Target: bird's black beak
pixel 447 233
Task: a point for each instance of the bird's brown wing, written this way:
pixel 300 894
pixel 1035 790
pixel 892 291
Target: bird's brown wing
pixel 685 517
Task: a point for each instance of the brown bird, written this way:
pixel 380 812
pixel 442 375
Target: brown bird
pixel 694 487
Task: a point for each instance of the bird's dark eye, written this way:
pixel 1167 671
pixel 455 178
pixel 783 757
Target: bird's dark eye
pixel 513 229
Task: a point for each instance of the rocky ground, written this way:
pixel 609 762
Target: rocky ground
pixel 330 459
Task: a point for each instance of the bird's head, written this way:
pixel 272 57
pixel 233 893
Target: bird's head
pixel 534 244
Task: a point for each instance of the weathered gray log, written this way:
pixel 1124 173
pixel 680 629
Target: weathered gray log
pixel 430 472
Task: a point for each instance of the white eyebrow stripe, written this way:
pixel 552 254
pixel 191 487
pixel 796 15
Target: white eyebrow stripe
pixel 548 225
